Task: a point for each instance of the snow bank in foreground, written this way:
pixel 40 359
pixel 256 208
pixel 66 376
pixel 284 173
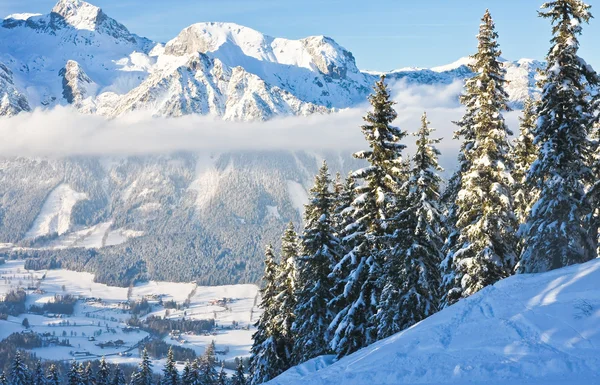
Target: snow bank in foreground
pixel 527 329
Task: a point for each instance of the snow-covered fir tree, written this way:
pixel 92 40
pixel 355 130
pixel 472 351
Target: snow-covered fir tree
pixel 103 376
pixel 143 375
pixel 52 377
pixel 411 292
pixel 286 296
pixel 188 376
pixel 170 374
pixel 88 377
pixel 118 377
pixel 74 375
pixel 19 374
pixel 3 379
pixel 268 357
pixel 207 374
pixel 38 377
pixel 557 231
pixel 485 249
pixel 368 235
pixel 239 378
pixel 318 254
pixel 222 377
pixel 593 193
pixel 524 154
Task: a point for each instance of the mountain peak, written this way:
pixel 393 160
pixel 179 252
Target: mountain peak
pixel 79 14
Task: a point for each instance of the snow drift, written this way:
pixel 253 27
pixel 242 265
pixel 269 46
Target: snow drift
pixel 527 329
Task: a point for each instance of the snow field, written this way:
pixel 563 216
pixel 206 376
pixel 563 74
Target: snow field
pixel 526 329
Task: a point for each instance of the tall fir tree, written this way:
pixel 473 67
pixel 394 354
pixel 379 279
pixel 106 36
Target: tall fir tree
pixel 374 209
pixel 268 356
pixel 19 374
pixel 187 376
pixel 74 375
pixel 118 376
pixel 239 378
pixel 344 195
pixel 286 296
pixel 524 154
pixel 143 375
pixel 411 292
pixel 38 374
pixel 593 193
pixel 319 248
pixel 222 377
pixel 170 373
pixel 53 377
pixel 557 231
pixel 207 374
pixel 103 375
pixel 88 377
pixel 485 249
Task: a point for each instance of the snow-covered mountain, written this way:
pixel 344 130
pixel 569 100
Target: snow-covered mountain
pixel 78 55
pixel 526 329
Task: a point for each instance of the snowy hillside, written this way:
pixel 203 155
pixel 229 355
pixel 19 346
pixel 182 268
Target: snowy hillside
pixel 78 55
pixel 527 329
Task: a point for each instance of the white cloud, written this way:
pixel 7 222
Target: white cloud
pixel 64 132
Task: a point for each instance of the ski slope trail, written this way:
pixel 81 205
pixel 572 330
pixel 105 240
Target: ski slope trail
pixel 527 329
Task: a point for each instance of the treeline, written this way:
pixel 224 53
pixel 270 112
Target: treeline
pixel 201 371
pixel 13 303
pixel 386 247
pixel 163 326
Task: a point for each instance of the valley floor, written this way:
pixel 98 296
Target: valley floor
pixel 101 314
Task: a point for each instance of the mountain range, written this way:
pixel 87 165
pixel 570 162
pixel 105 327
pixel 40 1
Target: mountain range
pixel 183 216
pixel 80 56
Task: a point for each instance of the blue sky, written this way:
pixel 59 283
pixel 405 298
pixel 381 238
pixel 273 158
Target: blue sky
pixel 382 34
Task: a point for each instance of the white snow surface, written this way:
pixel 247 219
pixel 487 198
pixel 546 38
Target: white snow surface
pixel 55 216
pixel 527 329
pixel 298 195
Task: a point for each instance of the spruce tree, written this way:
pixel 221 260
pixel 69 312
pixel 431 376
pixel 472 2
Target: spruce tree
pixel 87 377
pixel 268 358
pixel 207 374
pixel 411 292
pixel 319 247
pixel 286 296
pixel 103 376
pixel 143 375
pixel 53 377
pixel 19 374
pixel 557 231
pixel 368 236
pixel 170 373
pixel 524 154
pixel 3 379
pixel 118 377
pixel 345 194
pixel 38 374
pixel 187 377
pixel 74 376
pixel 222 378
pixel 239 378
pixel 486 243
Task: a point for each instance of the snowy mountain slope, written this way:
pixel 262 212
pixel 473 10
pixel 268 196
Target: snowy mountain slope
pixel 55 215
pixel 527 329
pixel 221 69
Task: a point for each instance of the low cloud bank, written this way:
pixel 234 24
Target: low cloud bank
pixel 64 132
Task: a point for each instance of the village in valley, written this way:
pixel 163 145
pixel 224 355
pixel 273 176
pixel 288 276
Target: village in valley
pixel 64 315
